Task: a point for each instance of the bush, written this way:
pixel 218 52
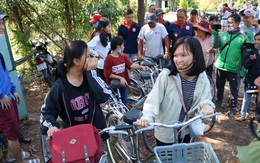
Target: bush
pixel 166 10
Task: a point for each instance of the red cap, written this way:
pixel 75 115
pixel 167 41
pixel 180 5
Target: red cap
pixel 95 18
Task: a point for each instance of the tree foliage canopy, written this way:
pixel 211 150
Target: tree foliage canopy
pixel 57 20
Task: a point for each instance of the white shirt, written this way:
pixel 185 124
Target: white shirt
pixel 97 49
pixel 153 39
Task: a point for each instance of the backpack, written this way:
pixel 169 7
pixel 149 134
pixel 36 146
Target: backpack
pixel 76 144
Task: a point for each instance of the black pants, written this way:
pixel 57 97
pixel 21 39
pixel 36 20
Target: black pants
pixel 185 140
pixel 221 77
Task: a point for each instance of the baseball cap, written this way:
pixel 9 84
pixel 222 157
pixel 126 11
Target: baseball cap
pixel 151 17
pixel 95 18
pixel 159 11
pixel 194 12
pixel 250 12
pixel 2 16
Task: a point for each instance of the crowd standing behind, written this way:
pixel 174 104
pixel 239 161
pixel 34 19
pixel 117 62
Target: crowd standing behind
pixel 151 33
pixel 181 27
pixel 129 31
pixel 229 60
pixel 99 46
pixel 94 21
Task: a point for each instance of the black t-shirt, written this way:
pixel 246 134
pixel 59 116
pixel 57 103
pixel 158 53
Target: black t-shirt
pixel 79 101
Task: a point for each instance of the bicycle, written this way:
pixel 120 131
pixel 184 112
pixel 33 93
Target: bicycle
pixel 150 141
pixel 127 146
pixel 143 81
pixel 182 152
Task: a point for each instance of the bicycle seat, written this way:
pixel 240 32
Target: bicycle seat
pixel 132 115
pixel 115 83
pixel 147 63
pixel 145 76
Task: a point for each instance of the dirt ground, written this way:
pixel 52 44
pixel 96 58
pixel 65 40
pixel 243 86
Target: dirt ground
pixel 225 135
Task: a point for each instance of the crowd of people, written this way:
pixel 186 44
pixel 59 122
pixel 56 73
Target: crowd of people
pixel 190 46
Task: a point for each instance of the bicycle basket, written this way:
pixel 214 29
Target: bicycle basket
pixel 197 152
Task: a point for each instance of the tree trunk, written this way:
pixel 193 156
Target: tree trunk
pixel 159 3
pixel 174 5
pixel 140 12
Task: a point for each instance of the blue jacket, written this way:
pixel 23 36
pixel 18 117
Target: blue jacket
pixel 7 87
pixel 253 66
pixel 175 31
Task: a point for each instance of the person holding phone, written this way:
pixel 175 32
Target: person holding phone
pixel 251 63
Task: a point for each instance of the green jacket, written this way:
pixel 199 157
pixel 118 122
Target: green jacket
pixel 230 57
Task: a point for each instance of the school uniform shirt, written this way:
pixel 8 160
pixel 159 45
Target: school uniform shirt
pixel 153 39
pixel 177 31
pixel 118 66
pixel 97 49
pixel 129 34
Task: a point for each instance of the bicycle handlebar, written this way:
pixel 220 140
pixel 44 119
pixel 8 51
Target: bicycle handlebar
pixel 176 125
pixel 111 130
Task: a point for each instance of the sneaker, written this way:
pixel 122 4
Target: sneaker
pixel 231 112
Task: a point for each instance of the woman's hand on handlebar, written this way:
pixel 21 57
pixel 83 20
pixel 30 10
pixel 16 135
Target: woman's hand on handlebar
pixel 52 130
pixel 206 109
pixel 142 123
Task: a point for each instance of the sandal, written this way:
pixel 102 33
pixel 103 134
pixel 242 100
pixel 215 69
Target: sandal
pixel 240 119
pixel 25 155
pixel 25 140
pixel 35 160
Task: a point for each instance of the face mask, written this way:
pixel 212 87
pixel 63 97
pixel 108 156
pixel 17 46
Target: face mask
pixel 119 51
pixel 230 29
pixel 258 48
pixel 95 25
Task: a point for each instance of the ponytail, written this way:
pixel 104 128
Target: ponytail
pixel 61 70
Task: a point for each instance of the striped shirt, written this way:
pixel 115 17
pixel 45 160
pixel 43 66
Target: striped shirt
pixel 188 88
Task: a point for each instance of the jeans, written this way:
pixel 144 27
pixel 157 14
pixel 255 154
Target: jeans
pixel 132 57
pixel 123 93
pixel 245 103
pixel 239 82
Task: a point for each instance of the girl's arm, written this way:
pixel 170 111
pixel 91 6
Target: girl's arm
pixel 98 86
pixel 136 66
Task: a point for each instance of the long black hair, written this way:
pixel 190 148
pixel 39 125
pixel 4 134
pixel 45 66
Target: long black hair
pixel 193 45
pixel 74 49
pixel 104 37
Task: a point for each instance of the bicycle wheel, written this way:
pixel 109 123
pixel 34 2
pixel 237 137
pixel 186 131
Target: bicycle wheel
pixel 212 86
pixel 135 92
pixel 149 140
pixel 209 123
pixel 121 145
pixel 136 75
